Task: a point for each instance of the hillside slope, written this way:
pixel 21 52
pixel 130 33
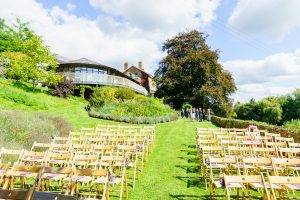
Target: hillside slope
pixel 20 96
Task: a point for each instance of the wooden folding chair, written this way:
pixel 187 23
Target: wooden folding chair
pixel 214 169
pixel 283 184
pixel 286 166
pixel 22 176
pixel 56 179
pixel 90 183
pixel 245 183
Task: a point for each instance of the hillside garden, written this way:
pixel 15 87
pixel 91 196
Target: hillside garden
pixel 32 110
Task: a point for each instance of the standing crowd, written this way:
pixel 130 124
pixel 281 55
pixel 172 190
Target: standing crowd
pixel 198 114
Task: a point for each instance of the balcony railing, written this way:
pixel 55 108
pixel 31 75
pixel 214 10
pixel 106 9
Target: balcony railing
pixel 110 80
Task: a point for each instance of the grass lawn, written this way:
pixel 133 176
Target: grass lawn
pixel 173 169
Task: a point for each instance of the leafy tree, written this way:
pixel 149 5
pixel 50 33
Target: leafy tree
pixel 291 106
pixel 266 110
pixel 24 56
pixel 190 72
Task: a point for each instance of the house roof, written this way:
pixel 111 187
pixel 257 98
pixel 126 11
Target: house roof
pixel 65 61
pixel 134 67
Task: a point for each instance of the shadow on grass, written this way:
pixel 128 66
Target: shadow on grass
pixel 184 197
pixel 26 87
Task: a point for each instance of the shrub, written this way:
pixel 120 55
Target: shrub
pixel 293 124
pixel 63 89
pixel 30 127
pixel 134 119
pixel 122 104
pixel 236 123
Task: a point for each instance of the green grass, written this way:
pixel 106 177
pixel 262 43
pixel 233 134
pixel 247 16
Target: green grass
pixel 173 168
pixel 172 171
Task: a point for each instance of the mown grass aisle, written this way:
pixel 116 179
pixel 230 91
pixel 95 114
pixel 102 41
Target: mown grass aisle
pixel 173 170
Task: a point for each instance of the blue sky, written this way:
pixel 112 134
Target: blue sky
pixel 259 42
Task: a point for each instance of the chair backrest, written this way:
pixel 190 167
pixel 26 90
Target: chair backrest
pixel 294 145
pixel 230 180
pixel 37 146
pixel 10 155
pixel 58 170
pixel 91 172
pixel 27 168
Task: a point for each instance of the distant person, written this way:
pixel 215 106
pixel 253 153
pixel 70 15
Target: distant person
pixel 200 114
pixel 208 114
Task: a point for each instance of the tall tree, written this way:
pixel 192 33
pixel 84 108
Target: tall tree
pixel 190 72
pixel 24 56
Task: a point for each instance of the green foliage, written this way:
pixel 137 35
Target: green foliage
pixel 293 124
pixel 191 73
pixel 237 123
pixel 123 104
pixel 273 110
pixel 30 127
pixel 24 56
pixel 266 110
pixel 291 106
pixel 186 105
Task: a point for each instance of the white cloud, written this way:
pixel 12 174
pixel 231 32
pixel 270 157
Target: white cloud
pixel 76 37
pixel 71 6
pixel 274 75
pixel 163 15
pixel 271 18
pixel 108 38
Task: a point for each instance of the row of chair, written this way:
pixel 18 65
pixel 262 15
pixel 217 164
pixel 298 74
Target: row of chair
pixel 223 164
pixel 84 163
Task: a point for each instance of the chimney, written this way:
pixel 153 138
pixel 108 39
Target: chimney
pixel 125 66
pixel 140 65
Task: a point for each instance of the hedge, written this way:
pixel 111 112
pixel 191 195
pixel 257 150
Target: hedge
pixel 236 123
pixel 132 119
